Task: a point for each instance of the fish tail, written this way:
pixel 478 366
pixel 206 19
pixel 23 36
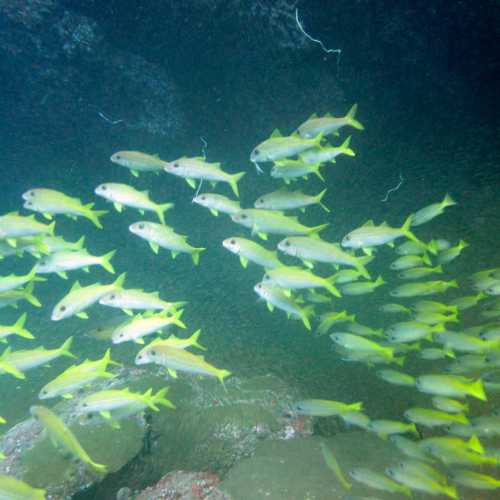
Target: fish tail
pixel 195 255
pixel 233 182
pixel 405 229
pixel 161 209
pixel 19 327
pixel 329 285
pixel 120 280
pixel 345 149
pixel 380 281
pixel 12 370
pixel 305 314
pixel 425 259
pixel 65 348
pixel 448 201
pixel 318 199
pixel 176 319
pixel 106 359
pixel 93 215
pixel 79 244
pixel 315 170
pixel 450 490
pixel 317 229
pixel 462 419
pixel 28 295
pixel 99 468
pixel 361 263
pixel 159 399
pixel 356 406
pixel 105 261
pixel 350 118
pixel 475 445
pixel 221 375
pixel 432 247
pixel 194 340
pixel 477 390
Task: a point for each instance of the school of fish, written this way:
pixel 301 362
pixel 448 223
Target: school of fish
pixel 443 445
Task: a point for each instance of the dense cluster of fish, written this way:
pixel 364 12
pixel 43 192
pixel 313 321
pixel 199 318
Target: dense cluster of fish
pixel 300 291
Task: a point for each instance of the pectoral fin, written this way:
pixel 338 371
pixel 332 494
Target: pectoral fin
pixel 172 372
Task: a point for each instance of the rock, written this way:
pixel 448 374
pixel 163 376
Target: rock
pixel 186 486
pixel 296 470
pixel 32 457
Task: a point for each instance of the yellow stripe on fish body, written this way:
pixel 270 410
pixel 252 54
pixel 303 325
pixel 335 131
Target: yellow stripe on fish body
pixel 278 147
pixel 140 326
pixel 262 222
pixel 15 489
pixel 61 435
pixel 28 359
pixel 451 385
pixel 137 161
pixel 378 481
pixel 80 298
pixel 291 170
pixel 423 289
pixel 217 203
pixel 198 168
pixel 326 154
pixel 277 297
pixel 178 359
pixel 134 298
pixel 288 200
pixel 248 250
pixel 332 463
pixel 124 195
pixel 329 124
pixel 314 249
pixel 433 418
pixel 158 235
pixel 13 226
pixel 50 202
pixel 290 277
pixel 362 287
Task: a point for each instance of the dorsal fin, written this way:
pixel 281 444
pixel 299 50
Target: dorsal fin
pixel 76 285
pixel 276 133
pixel 369 222
pixel 329 115
pixel 313 116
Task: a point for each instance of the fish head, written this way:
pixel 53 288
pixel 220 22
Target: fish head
pixel 242 218
pixel 267 279
pixel 45 393
pixel 145 356
pixel 260 290
pixel 31 195
pixel 103 190
pixel 175 167
pixel 286 247
pixel 351 241
pixel 260 202
pixel 121 158
pixel 61 310
pixel 257 155
pixel 118 337
pixel 43 265
pixel 203 199
pixel 232 244
pixel 141 228
pixel 394 293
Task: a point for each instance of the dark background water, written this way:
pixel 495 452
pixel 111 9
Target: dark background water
pixel 425 76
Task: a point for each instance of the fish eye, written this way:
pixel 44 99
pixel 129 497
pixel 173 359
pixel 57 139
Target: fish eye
pixel 118 157
pixel 141 226
pixel 103 187
pixel 121 335
pixel 203 198
pixel 347 238
pixel 260 200
pixel 244 216
pixel 153 352
pixel 139 356
pixel 112 296
pixel 62 308
pixel 89 416
pixel 256 151
pixel 32 193
pixel 287 243
pixel 84 405
pixel 233 242
pixel 176 165
pixel 29 204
